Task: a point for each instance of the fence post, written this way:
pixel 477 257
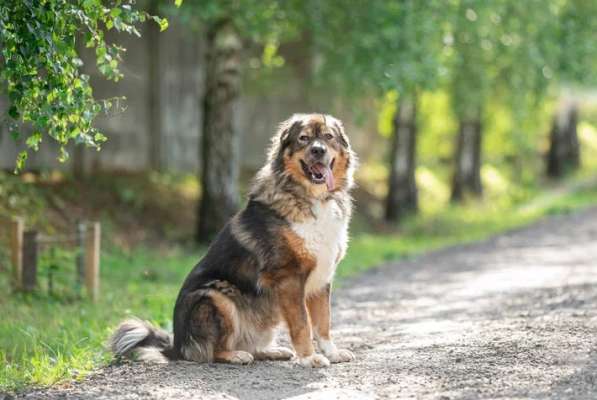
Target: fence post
pixel 16 248
pixel 92 260
pixel 29 272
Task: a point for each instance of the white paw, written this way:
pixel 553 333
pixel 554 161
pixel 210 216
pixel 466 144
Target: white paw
pixel 334 354
pixel 314 361
pixel 340 355
pixel 241 357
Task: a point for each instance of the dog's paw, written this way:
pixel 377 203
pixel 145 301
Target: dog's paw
pixel 235 357
pixel 275 353
pixel 314 361
pixel 340 355
pixel 242 357
pixel 335 355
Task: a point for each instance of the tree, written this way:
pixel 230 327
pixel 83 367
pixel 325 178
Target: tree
pixel 469 63
pixel 563 155
pixel 574 63
pixel 417 43
pixel 402 187
pixel 219 145
pixel 515 52
pixel 496 52
pixel 385 46
pixel 40 67
pixel 228 26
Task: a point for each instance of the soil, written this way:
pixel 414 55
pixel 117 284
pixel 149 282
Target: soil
pixel 513 317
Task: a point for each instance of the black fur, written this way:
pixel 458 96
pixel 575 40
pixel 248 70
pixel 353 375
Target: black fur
pixel 227 260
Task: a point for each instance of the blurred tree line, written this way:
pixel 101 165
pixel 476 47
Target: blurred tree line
pixel 510 53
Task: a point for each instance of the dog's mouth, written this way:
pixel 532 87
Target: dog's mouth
pixel 319 173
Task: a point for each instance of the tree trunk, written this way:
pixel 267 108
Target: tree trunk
pixel 564 153
pixel 219 146
pixel 467 177
pixel 402 186
pixel 154 96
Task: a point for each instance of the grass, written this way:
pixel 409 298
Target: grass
pixel 49 338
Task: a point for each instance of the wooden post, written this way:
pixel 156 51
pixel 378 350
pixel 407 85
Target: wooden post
pixel 16 248
pixel 29 273
pixel 92 260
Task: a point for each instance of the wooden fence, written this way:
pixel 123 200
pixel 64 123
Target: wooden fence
pixel 24 249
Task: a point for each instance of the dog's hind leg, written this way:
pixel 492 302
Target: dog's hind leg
pixel 227 315
pixel 212 328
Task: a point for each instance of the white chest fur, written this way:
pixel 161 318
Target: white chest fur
pixel 326 238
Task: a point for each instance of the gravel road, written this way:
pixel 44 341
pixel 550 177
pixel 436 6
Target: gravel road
pixel 514 317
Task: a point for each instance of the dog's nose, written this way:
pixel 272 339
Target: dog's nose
pixel 318 149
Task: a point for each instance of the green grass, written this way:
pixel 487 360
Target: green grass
pixel 45 339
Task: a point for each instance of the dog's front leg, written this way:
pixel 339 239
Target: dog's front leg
pixel 291 295
pixel 319 310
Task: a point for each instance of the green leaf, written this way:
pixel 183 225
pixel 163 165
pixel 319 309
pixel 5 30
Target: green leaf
pixel 162 22
pixel 99 138
pixel 64 156
pixel 33 141
pixel 20 162
pixel 90 3
pixel 13 112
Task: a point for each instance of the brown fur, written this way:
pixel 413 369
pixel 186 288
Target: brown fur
pixel 319 310
pixel 291 297
pixel 294 201
pixel 229 320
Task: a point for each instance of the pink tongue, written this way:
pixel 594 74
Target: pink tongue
pixel 329 179
pixel 327 173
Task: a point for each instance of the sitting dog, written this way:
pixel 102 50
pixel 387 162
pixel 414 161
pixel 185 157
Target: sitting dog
pixel 272 263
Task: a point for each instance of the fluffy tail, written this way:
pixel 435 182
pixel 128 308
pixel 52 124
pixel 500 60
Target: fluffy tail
pixel 137 339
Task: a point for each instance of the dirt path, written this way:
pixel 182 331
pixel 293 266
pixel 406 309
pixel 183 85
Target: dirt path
pixel 512 317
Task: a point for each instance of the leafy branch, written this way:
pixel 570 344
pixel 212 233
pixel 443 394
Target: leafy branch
pixel 49 96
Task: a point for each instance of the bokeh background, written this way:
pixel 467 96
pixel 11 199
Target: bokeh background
pixel 469 117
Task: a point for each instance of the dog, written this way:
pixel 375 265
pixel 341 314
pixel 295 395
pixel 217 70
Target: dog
pixel 273 263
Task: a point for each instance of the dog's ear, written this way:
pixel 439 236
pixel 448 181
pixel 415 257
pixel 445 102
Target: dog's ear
pixel 289 129
pixel 286 131
pixel 339 128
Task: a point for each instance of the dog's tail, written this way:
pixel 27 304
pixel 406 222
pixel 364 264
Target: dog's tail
pixel 140 340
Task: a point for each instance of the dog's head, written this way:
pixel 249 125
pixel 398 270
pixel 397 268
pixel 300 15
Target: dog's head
pixel 314 151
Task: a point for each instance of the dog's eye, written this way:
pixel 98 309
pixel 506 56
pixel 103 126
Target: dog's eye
pixel 304 138
pixel 329 136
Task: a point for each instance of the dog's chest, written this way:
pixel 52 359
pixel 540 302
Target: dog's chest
pixel 325 237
